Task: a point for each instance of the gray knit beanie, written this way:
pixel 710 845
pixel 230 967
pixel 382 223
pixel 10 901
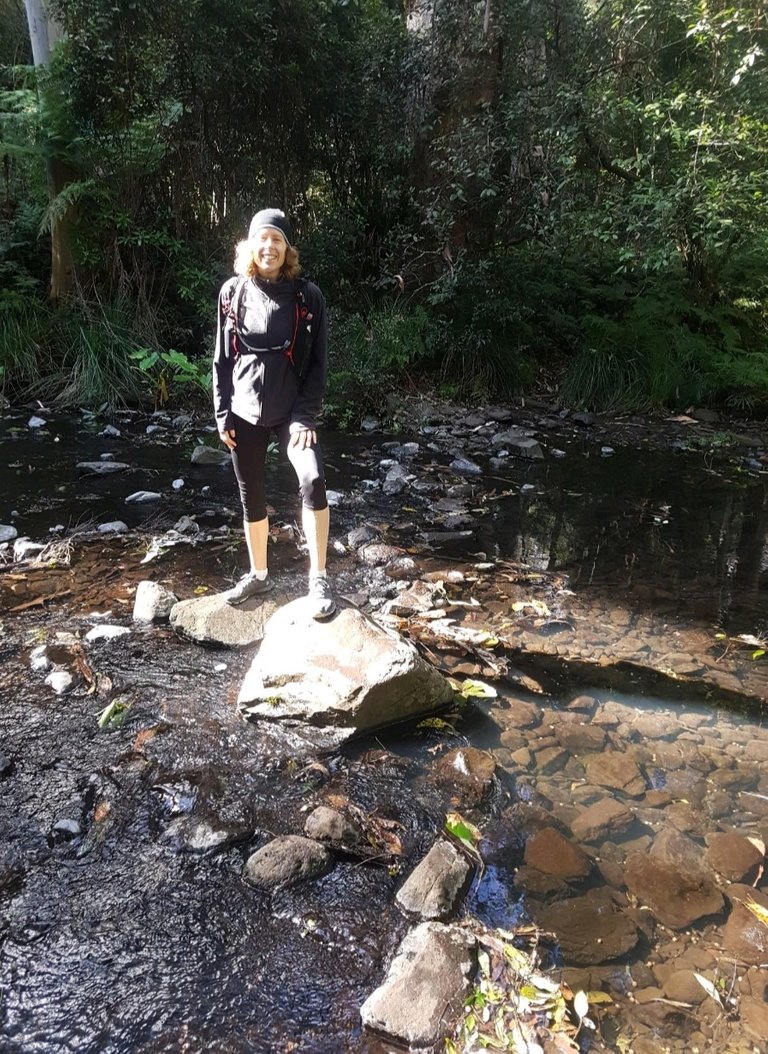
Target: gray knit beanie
pixel 274 218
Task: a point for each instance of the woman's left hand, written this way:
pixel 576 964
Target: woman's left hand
pixel 303 439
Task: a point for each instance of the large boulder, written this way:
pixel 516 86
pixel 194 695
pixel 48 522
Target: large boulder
pixel 348 675
pixel 211 620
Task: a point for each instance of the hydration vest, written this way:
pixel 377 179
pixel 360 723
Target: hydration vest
pixel 298 350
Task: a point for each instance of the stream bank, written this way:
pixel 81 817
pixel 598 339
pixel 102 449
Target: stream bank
pixel 121 887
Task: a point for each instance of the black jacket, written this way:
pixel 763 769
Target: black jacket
pixel 258 382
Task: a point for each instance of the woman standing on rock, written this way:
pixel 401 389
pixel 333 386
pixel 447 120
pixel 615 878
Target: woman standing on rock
pixel 269 373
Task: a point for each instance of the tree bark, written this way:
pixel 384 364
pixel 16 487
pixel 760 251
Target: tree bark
pixel 44 34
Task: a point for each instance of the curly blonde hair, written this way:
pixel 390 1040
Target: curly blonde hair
pixel 245 261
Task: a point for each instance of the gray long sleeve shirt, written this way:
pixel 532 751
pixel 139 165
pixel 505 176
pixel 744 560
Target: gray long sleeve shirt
pixel 252 376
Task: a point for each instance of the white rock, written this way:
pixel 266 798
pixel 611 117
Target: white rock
pixel 38 659
pixel 7 533
pixel 606 451
pixel 110 430
pixel 178 484
pixel 25 549
pixel 208 455
pixel 334 498
pixel 61 681
pixel 153 428
pixel 106 632
pixel 36 422
pixel 153 602
pixel 141 496
pixel 113 527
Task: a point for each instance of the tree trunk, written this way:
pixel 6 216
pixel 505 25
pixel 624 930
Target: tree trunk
pixel 44 34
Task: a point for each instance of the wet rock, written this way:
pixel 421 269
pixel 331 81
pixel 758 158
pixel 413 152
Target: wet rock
pixel 140 497
pixel 187 525
pixel 438 538
pixel 211 620
pixel 753 1017
pixel 683 987
pixel 201 834
pixel 602 820
pixel 615 770
pixel 360 535
pixel 370 424
pixel 744 936
pixel 675 898
pixel 7 533
pixel 425 987
pixel 349 675
pixel 106 633
pixel 681 852
pixel 519 713
pixel 464 467
pixel 113 527
pixel 330 825
pixel 178 484
pixel 551 853
pixel 181 421
pixel 395 481
pixel 102 468
pixel 435 887
pixel 67 828
pixel 402 569
pixel 530 880
pixel 419 597
pixel 111 431
pixel 733 856
pixel 584 704
pixel 208 455
pixel 26 549
pixel 61 681
pixel 36 422
pixel 580 738
pixel 378 554
pixel 6 766
pixel 285 861
pixel 591 929
pixel 38 659
pixel 469 770
pixel 153 602
pixel 550 760
pixel 755 803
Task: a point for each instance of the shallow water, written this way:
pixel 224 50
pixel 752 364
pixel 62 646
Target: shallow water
pixel 127 938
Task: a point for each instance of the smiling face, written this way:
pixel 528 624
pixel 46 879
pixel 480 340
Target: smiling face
pixel 269 249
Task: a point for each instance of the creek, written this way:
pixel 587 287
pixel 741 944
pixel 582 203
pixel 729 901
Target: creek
pixel 622 589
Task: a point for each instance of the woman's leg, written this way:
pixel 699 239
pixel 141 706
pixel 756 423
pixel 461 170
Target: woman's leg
pixel 315 518
pixel 248 460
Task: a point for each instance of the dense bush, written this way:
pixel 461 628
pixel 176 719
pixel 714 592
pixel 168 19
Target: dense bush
pixel 489 195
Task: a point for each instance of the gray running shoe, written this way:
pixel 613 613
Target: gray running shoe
pixel 249 586
pixel 320 597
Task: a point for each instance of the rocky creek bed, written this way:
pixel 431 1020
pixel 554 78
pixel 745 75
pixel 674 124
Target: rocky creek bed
pixel 618 777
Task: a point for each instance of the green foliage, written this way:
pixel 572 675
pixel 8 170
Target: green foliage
pixel 171 373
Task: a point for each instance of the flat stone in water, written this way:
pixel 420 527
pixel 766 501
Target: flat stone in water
pixel 744 936
pixel 142 496
pixel 434 888
pixel 106 632
pixel 285 861
pixel 590 929
pixel 469 770
pixel 102 468
pixel 733 856
pixel 616 770
pixel 552 854
pixel 425 986
pixel 211 620
pixel 599 821
pixel 675 898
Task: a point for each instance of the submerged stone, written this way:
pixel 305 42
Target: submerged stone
pixel 285 861
pixel 675 897
pixel 552 854
pixel 745 937
pixel 425 986
pixel 590 929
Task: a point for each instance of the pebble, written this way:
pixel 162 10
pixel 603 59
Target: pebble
pixel 606 451
pixel 106 632
pixel 110 430
pixel 36 422
pixel 61 681
pixel 142 496
pixel 334 498
pixel 178 484
pixel 68 828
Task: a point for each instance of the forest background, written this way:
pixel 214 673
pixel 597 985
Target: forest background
pixel 496 197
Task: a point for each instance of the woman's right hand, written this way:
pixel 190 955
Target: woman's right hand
pixel 228 438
